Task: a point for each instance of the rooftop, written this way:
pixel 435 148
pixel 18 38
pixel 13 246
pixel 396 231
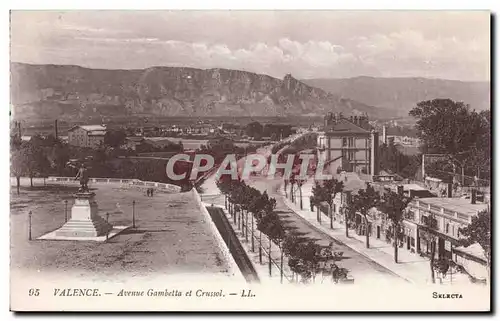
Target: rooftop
pixel 97 133
pixel 345 126
pixel 459 205
pixel 91 127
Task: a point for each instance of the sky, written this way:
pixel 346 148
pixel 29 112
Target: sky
pixel 307 44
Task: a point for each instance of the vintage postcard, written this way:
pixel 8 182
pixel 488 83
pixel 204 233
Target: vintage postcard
pixel 250 161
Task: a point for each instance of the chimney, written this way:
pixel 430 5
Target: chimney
pixel 400 190
pixel 374 153
pixel 450 190
pixel 55 129
pixel 351 119
pixel 356 121
pixel 328 118
pixel 473 196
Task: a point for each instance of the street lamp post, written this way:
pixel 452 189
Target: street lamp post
pixel 107 220
pixel 29 225
pixel 133 214
pixel 65 210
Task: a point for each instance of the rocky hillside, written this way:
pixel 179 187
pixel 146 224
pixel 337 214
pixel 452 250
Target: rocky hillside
pixel 72 92
pixel 402 94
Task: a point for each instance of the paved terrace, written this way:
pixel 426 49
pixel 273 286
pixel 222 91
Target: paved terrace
pixel 172 235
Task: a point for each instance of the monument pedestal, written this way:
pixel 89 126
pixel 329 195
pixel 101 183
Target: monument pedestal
pixel 85 220
pixel 85 223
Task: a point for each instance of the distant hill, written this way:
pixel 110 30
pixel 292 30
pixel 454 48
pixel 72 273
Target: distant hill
pixel 77 93
pixel 402 94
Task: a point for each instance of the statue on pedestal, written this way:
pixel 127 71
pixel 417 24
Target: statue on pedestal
pixel 82 175
pixel 84 179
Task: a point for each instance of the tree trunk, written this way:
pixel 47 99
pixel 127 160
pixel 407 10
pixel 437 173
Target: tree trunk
pixel 346 224
pixel 225 201
pixel 243 223
pixel 395 243
pixel 31 181
pixel 18 180
pixel 269 255
pixel 488 268
pixel 367 234
pixel 281 266
pixel 291 193
pixel 260 247
pixel 331 216
pixel 431 262
pixel 317 213
pixel 300 195
pixel 246 226
pixel 253 241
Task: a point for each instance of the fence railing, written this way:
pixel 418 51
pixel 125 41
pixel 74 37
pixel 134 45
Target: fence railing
pixel 133 182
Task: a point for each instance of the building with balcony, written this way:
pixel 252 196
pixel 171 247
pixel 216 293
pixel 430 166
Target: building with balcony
pixel 442 218
pixel 86 136
pixel 349 144
pixel 427 219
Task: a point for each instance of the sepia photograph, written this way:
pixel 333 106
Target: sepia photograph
pixel 258 160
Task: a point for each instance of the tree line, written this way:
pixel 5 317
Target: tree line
pixel 306 258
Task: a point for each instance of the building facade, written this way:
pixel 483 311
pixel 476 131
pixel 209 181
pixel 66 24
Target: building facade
pixel 86 136
pixel 440 219
pixel 428 220
pixel 349 144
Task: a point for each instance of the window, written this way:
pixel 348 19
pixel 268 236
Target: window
pixel 351 141
pixel 447 229
pixel 344 142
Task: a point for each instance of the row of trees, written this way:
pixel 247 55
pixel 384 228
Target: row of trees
pixel 391 204
pixel 45 156
pixel 393 160
pixel 305 258
pixel 453 129
pixel 275 131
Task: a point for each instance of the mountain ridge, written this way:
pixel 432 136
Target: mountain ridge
pixel 400 94
pixel 71 91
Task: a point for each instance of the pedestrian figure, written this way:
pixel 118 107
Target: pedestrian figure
pixel 152 190
pixel 148 191
pixel 311 203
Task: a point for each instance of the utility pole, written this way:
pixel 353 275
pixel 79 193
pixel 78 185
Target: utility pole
pixel 133 214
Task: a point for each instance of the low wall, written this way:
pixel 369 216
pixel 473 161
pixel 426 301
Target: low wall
pixel 133 182
pixel 234 269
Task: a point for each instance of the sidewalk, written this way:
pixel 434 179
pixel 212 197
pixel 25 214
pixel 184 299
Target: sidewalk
pixel 411 267
pixel 261 269
pixel 211 196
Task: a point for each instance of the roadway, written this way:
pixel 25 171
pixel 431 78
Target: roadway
pixel 361 268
